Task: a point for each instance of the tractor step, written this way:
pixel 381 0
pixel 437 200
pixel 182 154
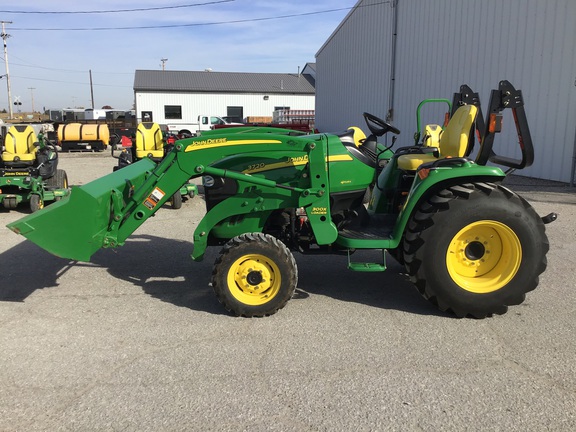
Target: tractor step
pixel 374 232
pixel 368 266
pixel 368 233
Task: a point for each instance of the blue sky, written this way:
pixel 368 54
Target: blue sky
pixel 55 63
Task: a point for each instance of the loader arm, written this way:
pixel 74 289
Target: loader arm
pixel 105 212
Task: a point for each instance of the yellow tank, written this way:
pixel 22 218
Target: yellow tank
pixel 88 136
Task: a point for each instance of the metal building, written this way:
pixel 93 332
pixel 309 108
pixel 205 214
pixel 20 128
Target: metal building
pixel 386 56
pixel 181 96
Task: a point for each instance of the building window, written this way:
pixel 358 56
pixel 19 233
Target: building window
pixel 281 108
pixel 173 112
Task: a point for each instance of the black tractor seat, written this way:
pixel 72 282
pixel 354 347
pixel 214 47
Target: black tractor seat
pixel 354 140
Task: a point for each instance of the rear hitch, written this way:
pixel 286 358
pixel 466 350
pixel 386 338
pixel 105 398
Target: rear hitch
pixel 550 218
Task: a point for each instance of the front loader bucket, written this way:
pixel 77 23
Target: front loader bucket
pixel 75 227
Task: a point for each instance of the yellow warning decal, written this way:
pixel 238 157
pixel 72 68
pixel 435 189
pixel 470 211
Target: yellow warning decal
pixel 154 198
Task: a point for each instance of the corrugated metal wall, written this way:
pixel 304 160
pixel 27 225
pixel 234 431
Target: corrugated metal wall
pixel 353 68
pixel 444 43
pixel 195 104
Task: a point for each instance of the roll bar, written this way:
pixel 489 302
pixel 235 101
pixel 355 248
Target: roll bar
pixel 506 96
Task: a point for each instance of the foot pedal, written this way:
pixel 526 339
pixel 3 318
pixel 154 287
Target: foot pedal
pixel 368 267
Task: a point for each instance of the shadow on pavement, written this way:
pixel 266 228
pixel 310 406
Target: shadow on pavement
pixel 26 268
pixel 164 270
pixel 329 276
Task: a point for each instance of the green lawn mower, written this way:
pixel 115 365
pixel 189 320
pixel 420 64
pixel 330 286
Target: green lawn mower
pixel 29 170
pixel 470 245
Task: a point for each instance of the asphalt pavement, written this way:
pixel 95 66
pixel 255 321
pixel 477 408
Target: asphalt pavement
pixel 135 340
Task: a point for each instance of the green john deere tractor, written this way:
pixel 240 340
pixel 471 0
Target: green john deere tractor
pixel 29 170
pixel 470 245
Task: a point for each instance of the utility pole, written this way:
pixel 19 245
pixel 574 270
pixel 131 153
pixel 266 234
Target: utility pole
pixel 5 36
pixel 32 93
pixel 163 60
pixel 91 90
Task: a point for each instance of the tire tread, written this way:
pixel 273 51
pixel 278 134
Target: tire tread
pixel 219 269
pixel 423 219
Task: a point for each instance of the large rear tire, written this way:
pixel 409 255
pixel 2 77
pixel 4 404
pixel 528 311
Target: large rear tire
pixel 58 180
pixel 475 249
pixel 255 275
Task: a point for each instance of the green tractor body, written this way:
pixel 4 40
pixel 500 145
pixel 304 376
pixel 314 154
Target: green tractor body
pixel 471 246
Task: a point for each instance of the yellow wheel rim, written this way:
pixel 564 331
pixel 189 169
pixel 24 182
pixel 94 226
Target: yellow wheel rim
pixel 254 279
pixel 484 256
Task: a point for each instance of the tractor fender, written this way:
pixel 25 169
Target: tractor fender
pixel 428 182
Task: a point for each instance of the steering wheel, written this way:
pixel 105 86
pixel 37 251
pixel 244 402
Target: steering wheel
pixel 378 126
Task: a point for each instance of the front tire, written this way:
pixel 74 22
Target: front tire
pixel 475 249
pixel 176 200
pixel 36 203
pixel 255 275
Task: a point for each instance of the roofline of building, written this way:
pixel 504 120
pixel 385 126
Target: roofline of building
pixel 289 90
pixel 263 92
pixel 225 72
pixel 348 15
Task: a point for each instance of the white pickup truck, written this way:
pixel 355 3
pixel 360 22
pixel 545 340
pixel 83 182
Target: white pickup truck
pixel 205 122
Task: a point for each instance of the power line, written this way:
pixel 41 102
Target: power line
pixel 70 82
pixel 200 24
pixel 31 65
pixel 117 10
pixel 65 70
